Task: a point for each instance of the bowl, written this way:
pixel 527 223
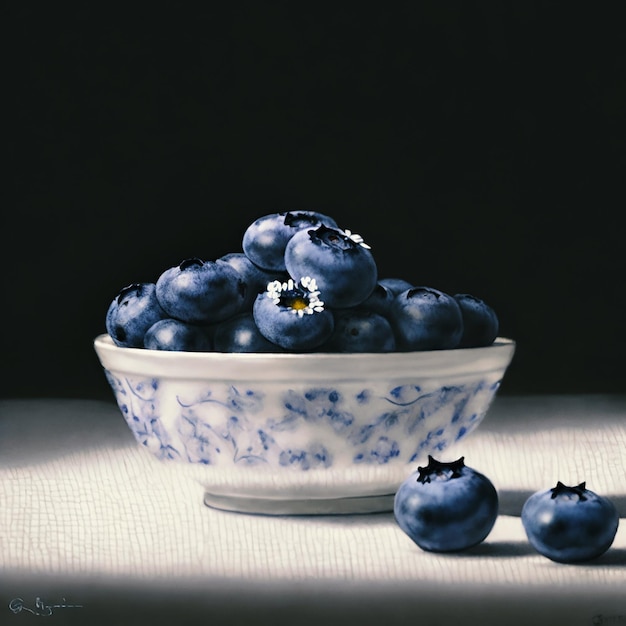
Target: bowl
pixel 315 433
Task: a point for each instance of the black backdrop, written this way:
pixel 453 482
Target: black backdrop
pixel 478 147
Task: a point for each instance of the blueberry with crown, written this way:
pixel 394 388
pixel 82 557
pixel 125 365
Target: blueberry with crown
pixel 570 524
pixel 424 318
pixel 446 506
pixel 341 262
pixel 201 292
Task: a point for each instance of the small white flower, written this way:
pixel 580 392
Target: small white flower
pixel 309 283
pixel 274 290
pixel 356 238
pixel 305 299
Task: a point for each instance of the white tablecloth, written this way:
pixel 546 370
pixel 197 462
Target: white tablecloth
pixel 89 518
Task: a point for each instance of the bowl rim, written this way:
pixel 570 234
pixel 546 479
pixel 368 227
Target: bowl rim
pixel 104 340
pixel 304 366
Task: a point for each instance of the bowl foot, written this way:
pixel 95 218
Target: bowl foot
pixel 306 506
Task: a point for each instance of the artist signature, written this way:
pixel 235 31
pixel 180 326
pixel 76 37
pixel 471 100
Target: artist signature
pixel 609 620
pixel 41 608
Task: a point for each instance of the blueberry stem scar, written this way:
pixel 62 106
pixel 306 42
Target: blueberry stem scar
pixel 578 490
pixel 439 468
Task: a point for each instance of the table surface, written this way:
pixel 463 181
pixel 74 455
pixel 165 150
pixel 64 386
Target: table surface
pixel 89 518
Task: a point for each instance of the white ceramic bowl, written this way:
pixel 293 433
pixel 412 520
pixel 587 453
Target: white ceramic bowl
pixel 302 433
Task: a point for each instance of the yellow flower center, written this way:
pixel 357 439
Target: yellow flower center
pixel 297 303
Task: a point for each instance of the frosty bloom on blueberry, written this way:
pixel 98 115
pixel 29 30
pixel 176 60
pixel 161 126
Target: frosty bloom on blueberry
pixel 291 314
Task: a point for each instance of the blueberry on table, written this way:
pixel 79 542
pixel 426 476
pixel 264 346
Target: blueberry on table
pixel 131 313
pixel 424 318
pixel 360 330
pixel 446 507
pixel 340 262
pixel 174 335
pixel 480 322
pixel 291 315
pixel 201 292
pixel 264 241
pixel 241 334
pixel 570 524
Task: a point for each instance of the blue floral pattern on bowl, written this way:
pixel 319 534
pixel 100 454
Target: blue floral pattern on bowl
pixel 304 427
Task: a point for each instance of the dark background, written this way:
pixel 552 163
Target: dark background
pixel 477 146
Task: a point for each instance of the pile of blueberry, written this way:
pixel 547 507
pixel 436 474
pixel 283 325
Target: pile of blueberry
pixel 301 284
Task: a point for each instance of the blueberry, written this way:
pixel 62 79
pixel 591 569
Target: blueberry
pixel 570 524
pixel 446 507
pixel 424 318
pixel 395 285
pixel 131 313
pixel 264 241
pixel 480 322
pixel 360 330
pixel 201 292
pixel 172 334
pixel 255 278
pixel 241 334
pixel 380 300
pixel 340 262
pixel 291 315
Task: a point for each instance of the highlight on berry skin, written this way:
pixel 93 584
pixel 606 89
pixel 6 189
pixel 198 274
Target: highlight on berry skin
pixel 300 297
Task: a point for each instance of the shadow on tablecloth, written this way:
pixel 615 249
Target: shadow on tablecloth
pixel 35 431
